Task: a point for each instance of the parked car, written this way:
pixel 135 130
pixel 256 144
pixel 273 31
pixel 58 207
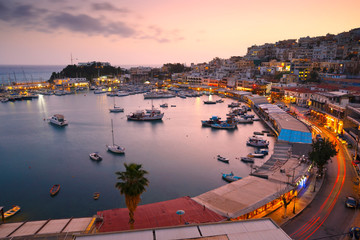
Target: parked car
pixel 351 202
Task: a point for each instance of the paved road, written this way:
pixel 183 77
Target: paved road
pixel 327 215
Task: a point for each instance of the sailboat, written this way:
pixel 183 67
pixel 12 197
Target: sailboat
pixel 116 109
pixel 114 148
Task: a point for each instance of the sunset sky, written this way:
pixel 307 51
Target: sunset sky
pixel 144 32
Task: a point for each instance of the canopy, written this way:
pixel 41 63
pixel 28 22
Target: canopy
pixel 295 136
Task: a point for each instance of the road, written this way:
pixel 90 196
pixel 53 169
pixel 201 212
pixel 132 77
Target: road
pixel 327 217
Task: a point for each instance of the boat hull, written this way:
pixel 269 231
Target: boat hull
pixel 55 190
pixel 116 149
pixel 11 212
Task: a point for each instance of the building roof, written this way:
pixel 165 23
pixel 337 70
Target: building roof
pixel 255 229
pixel 257 100
pixel 159 214
pixel 243 196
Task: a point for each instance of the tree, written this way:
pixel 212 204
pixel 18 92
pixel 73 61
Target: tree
pixel 322 151
pixel 132 184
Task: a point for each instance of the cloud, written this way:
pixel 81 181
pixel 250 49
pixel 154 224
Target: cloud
pixel 50 19
pixel 105 6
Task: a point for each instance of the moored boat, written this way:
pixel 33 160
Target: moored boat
pixel 58 119
pixel 209 102
pixel 230 177
pixel 234 104
pixel 11 212
pixel 224 125
pixel 142 116
pixel 96 195
pixel 255 141
pixel 116 109
pixel 212 120
pixel 164 105
pixel 114 147
pixel 247 159
pixel 95 156
pixel 257 155
pixel 222 159
pixel 55 189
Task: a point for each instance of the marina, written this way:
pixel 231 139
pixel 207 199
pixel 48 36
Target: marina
pixel 166 149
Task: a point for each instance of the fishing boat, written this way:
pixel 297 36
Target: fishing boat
pixel 222 159
pixel 230 177
pixel 96 196
pixel 255 141
pixel 55 189
pixel 263 151
pixel 212 120
pixel 95 156
pixel 114 148
pixel 142 116
pixel 224 125
pixel 11 212
pixel 257 155
pixel 234 104
pixel 247 159
pixel 58 120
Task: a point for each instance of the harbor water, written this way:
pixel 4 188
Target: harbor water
pixel 179 154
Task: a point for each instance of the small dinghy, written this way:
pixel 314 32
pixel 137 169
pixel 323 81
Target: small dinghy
pixel 96 196
pixel 222 159
pixel 55 189
pixel 230 177
pixel 247 159
pixel 95 156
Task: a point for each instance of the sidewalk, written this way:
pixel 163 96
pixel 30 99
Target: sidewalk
pixel 304 198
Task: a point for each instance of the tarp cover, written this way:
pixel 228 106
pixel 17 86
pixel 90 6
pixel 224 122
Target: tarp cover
pixel 295 136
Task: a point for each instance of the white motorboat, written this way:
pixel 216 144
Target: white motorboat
pixel 223 159
pixel 114 147
pixel 95 156
pixel 58 120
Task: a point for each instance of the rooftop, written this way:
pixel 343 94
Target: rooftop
pixel 255 229
pixel 159 214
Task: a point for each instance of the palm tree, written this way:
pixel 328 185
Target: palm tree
pixel 132 184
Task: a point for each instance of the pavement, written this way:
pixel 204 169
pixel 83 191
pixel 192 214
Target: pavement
pixel 303 199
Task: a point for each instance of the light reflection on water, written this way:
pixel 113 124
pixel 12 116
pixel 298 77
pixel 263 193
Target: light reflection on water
pixel 178 153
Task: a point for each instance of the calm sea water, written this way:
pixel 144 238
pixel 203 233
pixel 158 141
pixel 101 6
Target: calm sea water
pixel 178 153
pixel 27 73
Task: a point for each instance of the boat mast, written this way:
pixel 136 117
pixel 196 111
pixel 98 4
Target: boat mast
pixel 112 131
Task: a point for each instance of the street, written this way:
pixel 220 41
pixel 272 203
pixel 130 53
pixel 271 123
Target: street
pixel 327 217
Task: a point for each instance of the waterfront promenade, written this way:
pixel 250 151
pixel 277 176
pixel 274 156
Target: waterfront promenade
pixel 170 213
